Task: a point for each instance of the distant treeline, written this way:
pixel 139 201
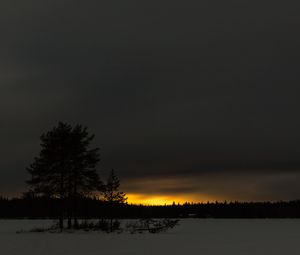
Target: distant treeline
pixel 36 208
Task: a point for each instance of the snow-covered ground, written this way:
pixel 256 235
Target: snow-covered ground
pixel 192 236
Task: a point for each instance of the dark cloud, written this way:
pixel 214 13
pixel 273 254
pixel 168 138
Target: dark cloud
pixel 170 88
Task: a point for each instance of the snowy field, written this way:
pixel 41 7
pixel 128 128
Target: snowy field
pixel 192 236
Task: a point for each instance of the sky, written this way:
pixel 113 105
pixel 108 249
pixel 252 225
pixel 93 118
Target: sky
pixel 189 100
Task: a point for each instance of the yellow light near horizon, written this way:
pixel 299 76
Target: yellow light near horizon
pixel 149 200
pixel 146 199
pixel 140 191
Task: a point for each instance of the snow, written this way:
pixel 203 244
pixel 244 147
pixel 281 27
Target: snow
pixel 192 236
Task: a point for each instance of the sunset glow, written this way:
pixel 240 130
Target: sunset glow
pixel 164 199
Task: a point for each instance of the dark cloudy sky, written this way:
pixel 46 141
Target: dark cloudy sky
pixel 198 99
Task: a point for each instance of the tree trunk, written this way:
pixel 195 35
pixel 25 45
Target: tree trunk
pixel 74 203
pixel 75 208
pixel 61 217
pixel 69 205
pixel 69 221
pixel 61 222
pixel 76 225
pixel 111 225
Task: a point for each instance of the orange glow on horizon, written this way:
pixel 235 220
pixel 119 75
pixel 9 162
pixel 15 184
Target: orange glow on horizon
pixel 157 199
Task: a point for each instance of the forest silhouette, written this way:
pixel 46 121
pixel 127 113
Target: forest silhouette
pixel 64 184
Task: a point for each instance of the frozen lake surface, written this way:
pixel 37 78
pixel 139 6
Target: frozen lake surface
pixel 192 236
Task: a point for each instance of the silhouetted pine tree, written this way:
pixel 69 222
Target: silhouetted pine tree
pixel 112 195
pixel 65 168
